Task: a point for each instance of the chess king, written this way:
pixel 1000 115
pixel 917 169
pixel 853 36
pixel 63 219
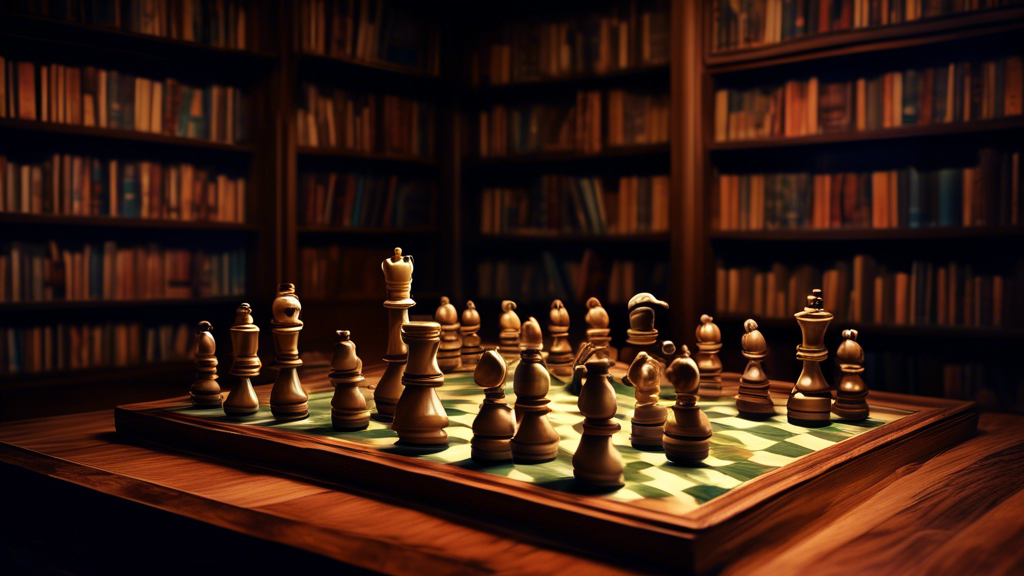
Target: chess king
pixel 810 402
pixel 288 401
pixel 398 284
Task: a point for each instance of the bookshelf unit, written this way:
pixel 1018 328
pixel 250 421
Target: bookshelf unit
pixel 929 354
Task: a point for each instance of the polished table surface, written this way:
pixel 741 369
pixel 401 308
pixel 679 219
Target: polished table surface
pixel 959 512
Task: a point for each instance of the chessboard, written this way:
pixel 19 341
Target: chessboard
pixel 761 478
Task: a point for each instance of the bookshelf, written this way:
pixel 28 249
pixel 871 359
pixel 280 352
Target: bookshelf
pixel 921 350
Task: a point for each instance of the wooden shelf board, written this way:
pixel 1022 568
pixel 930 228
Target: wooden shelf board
pixel 108 304
pixel 359 155
pixel 903 132
pixel 576 238
pixel 873 330
pixel 375 65
pixel 118 134
pixel 829 45
pixel 118 222
pixel 137 373
pixel 367 230
pixel 858 234
pixel 561 81
pixel 573 156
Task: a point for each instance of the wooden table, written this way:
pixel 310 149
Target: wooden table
pixel 77 498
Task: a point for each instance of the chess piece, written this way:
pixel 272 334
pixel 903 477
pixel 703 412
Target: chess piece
pixel 245 340
pixel 288 401
pixel 495 425
pixel 420 418
pixel 649 416
pixel 471 349
pixel 449 354
pixel 348 406
pixel 687 438
pixel 536 440
pixel 754 401
pixel 641 336
pixel 398 283
pixel 596 461
pixel 560 356
pixel 851 397
pixel 598 332
pixel 709 342
pixel 205 391
pixel 508 338
pixel 810 402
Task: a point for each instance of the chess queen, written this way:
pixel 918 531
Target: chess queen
pixel 398 283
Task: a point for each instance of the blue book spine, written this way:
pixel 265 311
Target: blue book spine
pixel 914 211
pixel 947 197
pixel 130 200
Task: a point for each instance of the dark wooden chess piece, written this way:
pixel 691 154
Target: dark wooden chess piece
pixel 810 402
pixel 495 424
pixel 471 349
pixel 687 438
pixel 449 355
pixel 851 398
pixel 560 356
pixel 398 283
pixel 649 415
pixel 348 406
pixel 288 400
pixel 536 440
pixel 508 338
pixel 596 461
pixel 754 401
pixel 598 332
pixel 205 391
pixel 420 418
pixel 641 336
pixel 709 342
pixel 245 339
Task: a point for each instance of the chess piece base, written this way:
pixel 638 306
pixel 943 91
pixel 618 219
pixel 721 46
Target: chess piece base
pixel 207 401
pixel 536 440
pixel 288 400
pixel 348 422
pixel 242 400
pixel 290 413
pixel 756 416
pixel 686 451
pixel 646 436
pixel 809 411
pixel 491 450
pixel 851 412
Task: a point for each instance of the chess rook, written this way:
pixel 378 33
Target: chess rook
pixel 687 438
pixel 205 391
pixel 471 349
pixel 649 415
pixel 449 354
pixel 495 424
pixel 596 461
pixel 536 440
pixel 641 336
pixel 560 356
pixel 598 332
pixel 508 338
pixel 810 401
pixel 709 342
pixel 754 401
pixel 245 340
pixel 398 283
pixel 348 406
pixel 851 397
pixel 420 418
pixel 288 400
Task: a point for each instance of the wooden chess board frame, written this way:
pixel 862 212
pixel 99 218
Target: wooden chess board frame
pixel 754 514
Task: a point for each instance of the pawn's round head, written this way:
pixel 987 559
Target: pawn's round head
pixel 597 316
pixel 470 317
pixel 530 335
pixel 446 313
pixel 850 351
pixel 684 375
pixel 343 335
pixel 203 326
pixel 286 307
pixel 559 316
pixel 752 341
pixel 708 331
pixel 509 319
pixel 243 314
pixel 641 319
pixel 491 370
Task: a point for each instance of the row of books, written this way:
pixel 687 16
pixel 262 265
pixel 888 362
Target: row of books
pixel 862 290
pixel 561 204
pixel 631 119
pixel 37 272
pixel 628 35
pixel 222 24
pixel 754 23
pixel 50 348
pixel 959 92
pixel 330 272
pixel 88 96
pixel 364 30
pixel 365 122
pixel 987 194
pixel 71 185
pixel 348 200
pixel 993 385
pixel 547 278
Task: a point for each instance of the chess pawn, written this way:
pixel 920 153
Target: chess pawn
pixel 754 401
pixel 560 356
pixel 471 349
pixel 649 415
pixel 851 397
pixel 709 342
pixel 687 438
pixel 420 418
pixel 288 400
pixel 598 332
pixel 398 283
pixel 205 391
pixel 536 440
pixel 508 338
pixel 641 334
pixel 449 355
pixel 810 401
pixel 245 339
pixel 348 406
pixel 596 461
pixel 495 424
